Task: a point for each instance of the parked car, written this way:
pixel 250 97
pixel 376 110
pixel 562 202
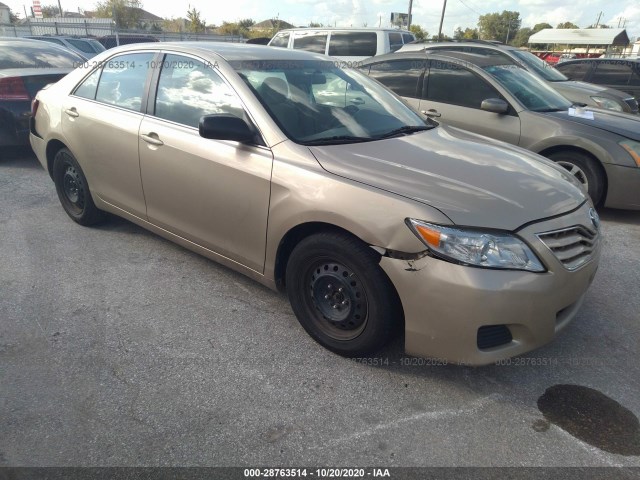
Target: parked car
pixel 372 218
pixel 347 44
pixel 111 41
pixel 620 73
pixel 576 92
pixel 490 96
pixel 25 67
pixel 87 47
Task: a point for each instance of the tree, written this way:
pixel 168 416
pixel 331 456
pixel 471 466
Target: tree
pixel 247 23
pixel 522 37
pixel 540 26
pixel 499 26
pixel 50 11
pixel 127 12
pixel 567 25
pixel 315 25
pixel 419 32
pixel 466 34
pixel 13 18
pixel 195 23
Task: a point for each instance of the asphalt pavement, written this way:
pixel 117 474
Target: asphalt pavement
pixel 119 348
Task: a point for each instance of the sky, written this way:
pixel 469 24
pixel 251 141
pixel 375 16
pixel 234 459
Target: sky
pixel 357 13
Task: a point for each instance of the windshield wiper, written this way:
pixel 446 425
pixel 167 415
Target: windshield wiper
pixel 337 139
pixel 406 130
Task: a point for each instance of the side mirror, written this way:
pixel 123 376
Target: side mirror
pixel 495 105
pixel 224 126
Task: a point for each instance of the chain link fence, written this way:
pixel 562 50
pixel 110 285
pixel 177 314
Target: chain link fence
pixel 101 27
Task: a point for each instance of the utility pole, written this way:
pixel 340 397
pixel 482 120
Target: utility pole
pixel 60 8
pixel 444 7
pixel 409 20
pixel 598 21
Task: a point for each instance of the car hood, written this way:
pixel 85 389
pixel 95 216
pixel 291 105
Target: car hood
pixel 622 124
pixel 473 180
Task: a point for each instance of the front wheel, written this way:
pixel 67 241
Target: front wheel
pixel 340 294
pixel 585 170
pixel 73 190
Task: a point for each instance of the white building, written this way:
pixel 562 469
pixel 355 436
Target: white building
pixel 5 14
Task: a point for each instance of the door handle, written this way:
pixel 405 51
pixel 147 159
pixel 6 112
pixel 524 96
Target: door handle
pixel 72 112
pixel 431 113
pixel 152 139
pixel 357 101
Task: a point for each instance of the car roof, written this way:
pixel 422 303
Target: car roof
pixel 345 29
pixel 462 57
pixel 425 45
pixel 598 60
pixel 229 51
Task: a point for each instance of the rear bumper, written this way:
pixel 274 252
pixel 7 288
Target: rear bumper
pixel 14 123
pixel 446 304
pixel 624 187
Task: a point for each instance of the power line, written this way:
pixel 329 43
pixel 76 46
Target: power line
pixel 473 10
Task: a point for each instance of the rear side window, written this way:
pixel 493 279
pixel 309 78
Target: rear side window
pixel 611 73
pixel 395 41
pixel 400 76
pixel 81 45
pixel 311 41
pixel 36 55
pixel 574 71
pixel 188 89
pixel 123 79
pixel 452 84
pixel 356 44
pixel 280 40
pixel 88 87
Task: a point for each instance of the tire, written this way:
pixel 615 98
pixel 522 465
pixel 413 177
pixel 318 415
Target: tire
pixel 73 190
pixel 585 169
pixel 328 269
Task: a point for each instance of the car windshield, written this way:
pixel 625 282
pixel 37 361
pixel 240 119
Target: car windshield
pixel 36 55
pixel 540 67
pixel 532 92
pixel 318 103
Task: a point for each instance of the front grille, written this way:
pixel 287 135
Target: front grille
pixel 573 246
pixel 633 104
pixel 491 336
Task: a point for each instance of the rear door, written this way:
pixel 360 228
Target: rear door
pixel 101 119
pixel 456 93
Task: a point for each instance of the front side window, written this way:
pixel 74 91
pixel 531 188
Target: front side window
pixel 533 92
pixel 408 38
pixel 318 103
pixel 311 41
pixel 123 79
pixel 189 89
pixel 395 41
pixel 353 44
pixel 280 40
pixel 575 71
pixel 455 85
pixel 400 76
pixel 611 72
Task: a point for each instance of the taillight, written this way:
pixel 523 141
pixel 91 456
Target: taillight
pixel 34 107
pixel 13 88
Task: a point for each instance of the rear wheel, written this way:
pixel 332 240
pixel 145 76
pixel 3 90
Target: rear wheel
pixel 73 189
pixel 340 295
pixel 585 170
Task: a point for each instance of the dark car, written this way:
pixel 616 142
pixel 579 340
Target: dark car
pixel 26 66
pixel 87 47
pixel 110 41
pixel 622 74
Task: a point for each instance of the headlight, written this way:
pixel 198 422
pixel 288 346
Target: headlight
pixel 607 103
pixel 633 148
pixel 475 247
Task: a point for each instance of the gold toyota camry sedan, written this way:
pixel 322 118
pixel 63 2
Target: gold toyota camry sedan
pixel 316 180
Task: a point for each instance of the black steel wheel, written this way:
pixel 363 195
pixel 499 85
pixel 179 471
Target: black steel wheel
pixel 341 295
pixel 73 189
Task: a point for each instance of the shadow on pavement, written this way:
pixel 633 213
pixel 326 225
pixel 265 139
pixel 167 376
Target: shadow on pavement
pixel 18 157
pixel 621 216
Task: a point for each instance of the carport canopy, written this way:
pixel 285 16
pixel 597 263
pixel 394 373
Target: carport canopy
pixel 581 36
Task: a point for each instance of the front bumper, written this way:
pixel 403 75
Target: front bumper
pixel 446 304
pixel 623 187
